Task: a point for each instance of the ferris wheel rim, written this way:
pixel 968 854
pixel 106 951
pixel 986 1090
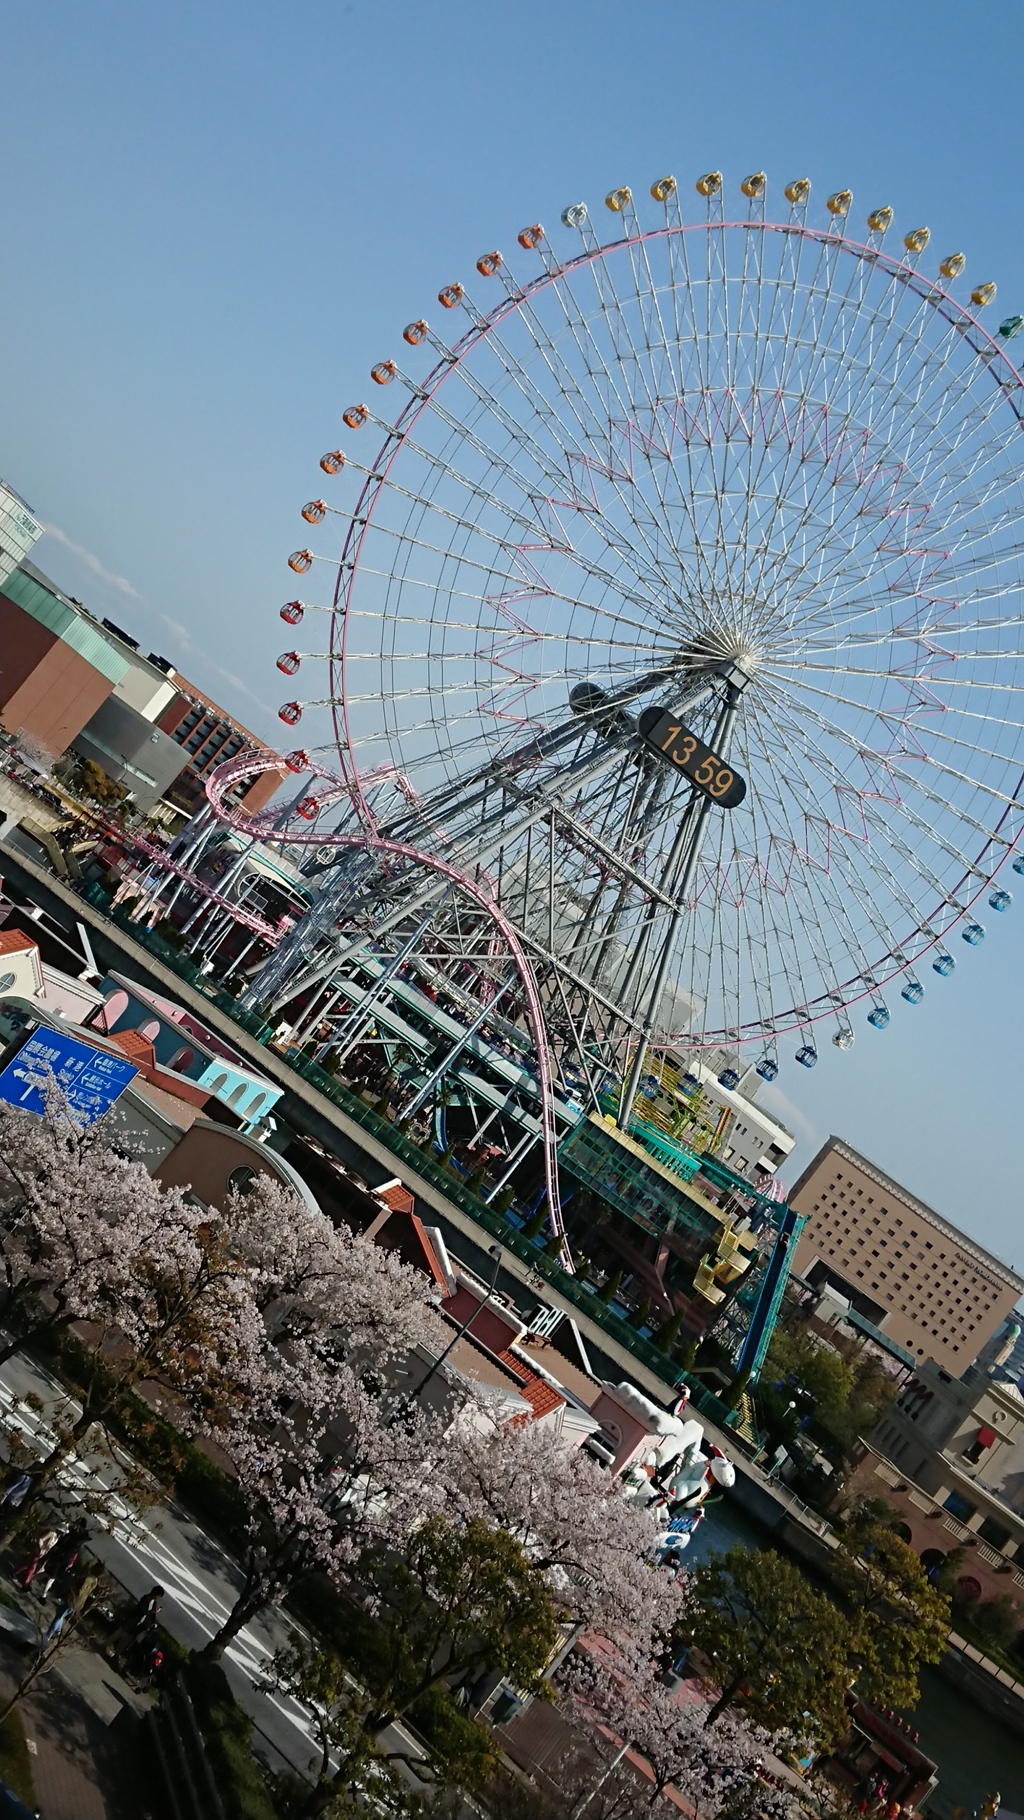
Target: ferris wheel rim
pixel 927 290
pixel 986 353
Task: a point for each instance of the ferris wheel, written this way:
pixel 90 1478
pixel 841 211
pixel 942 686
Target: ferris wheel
pixel 666 591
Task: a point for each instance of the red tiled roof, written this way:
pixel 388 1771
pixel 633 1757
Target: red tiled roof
pixel 396 1196
pixel 140 1050
pixel 541 1396
pixel 15 941
pixel 137 1048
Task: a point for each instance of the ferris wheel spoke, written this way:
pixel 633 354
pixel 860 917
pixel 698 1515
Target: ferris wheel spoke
pixel 705 445
pixel 548 469
pixel 836 854
pixel 798 882
pixel 964 867
pixel 511 580
pixel 577 323
pixel 599 438
pixel 935 732
pixel 451 593
pixel 855 405
pixel 558 475
pixel 631 577
pixel 810 379
pixel 761 942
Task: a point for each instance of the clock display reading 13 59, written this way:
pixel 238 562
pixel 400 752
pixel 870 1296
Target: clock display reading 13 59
pixel 665 732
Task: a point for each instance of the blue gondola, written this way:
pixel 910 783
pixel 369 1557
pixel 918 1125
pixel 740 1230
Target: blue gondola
pixel 879 1016
pixel 913 992
pixel 728 1079
pixel 767 1068
pixel 1000 900
pixel 1018 862
pixel 807 1056
pixel 973 933
pixel 943 964
pixel 691 1082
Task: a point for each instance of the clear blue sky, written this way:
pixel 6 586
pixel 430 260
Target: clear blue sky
pixel 218 215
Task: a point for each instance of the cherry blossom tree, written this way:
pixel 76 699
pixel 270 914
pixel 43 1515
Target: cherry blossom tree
pixel 170 1305
pixel 595 1547
pixel 342 1471
pixel 74 1214
pixel 314 1279
pixel 625 1692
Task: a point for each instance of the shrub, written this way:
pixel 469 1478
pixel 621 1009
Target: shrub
pixel 15 1762
pixel 227 1734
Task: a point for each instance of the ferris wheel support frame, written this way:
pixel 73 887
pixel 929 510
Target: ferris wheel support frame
pixel 684 856
pixel 226 776
pixel 807 1010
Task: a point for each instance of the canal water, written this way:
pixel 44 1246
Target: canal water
pixel 975 1755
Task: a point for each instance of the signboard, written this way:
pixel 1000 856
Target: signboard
pixel 666 733
pixel 91 1079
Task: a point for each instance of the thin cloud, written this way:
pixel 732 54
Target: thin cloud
pixel 807 1135
pixel 187 645
pixel 93 563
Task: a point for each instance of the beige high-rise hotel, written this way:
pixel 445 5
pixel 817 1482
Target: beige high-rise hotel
pixel 924 1283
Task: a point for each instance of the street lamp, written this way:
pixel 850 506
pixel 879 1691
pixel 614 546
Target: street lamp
pixel 493 1251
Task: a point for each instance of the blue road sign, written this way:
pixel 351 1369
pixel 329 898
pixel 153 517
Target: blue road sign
pixel 91 1079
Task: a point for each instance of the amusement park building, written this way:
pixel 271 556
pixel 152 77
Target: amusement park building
pixel 905 1268
pixel 19 530
pixel 184 1047
pixel 732 1124
pixel 948 1455
pixel 68 680
pixel 209 737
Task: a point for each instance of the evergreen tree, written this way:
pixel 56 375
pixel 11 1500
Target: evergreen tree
pixel 609 1290
pixel 669 1331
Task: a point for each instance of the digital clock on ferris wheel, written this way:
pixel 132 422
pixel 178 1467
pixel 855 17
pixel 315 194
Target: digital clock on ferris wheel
pixel 666 733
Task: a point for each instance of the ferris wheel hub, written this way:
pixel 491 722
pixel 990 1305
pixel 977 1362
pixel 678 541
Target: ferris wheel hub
pixel 726 651
pixel 755 489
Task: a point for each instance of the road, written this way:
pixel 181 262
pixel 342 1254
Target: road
pixel 164 1547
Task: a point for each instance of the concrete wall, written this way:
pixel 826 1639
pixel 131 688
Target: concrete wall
pixel 994 1690
pixel 207 1154
pixel 131 751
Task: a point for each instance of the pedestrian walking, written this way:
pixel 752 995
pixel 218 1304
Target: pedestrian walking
pixel 146 1611
pixel 63 1557
pixel 140 1618
pixel 45 1542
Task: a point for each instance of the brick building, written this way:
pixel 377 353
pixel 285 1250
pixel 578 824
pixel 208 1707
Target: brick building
pixel 917 1277
pixel 209 736
pixel 71 681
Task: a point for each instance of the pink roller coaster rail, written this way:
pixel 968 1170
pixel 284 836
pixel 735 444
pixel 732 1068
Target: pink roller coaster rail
pixel 270 932
pixel 226 776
